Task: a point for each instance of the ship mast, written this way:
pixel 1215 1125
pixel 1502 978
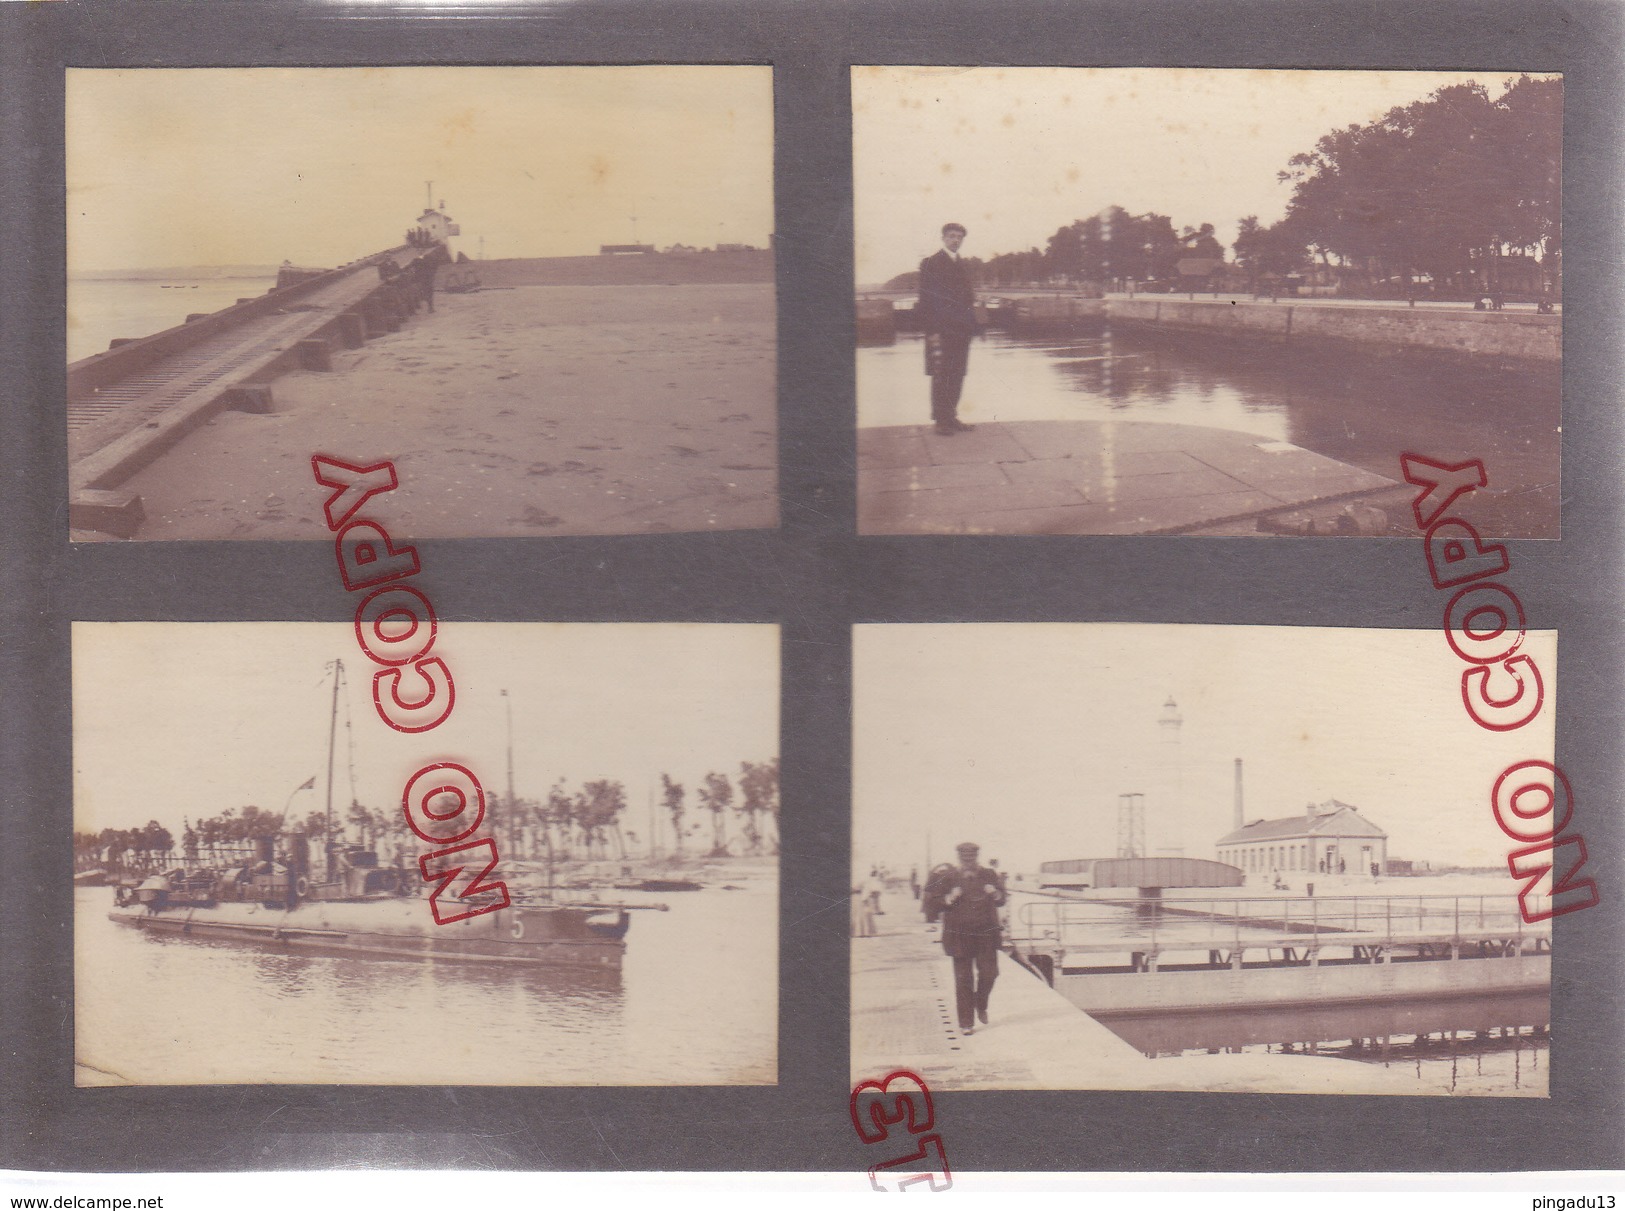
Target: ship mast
pixel 332 734
pixel 509 803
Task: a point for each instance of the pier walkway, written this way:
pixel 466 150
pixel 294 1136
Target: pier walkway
pixel 129 404
pixel 903 1018
pixel 1109 477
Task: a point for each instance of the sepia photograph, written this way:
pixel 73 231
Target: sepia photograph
pixel 545 293
pixel 704 354
pixel 1201 858
pixel 572 881
pixel 1204 301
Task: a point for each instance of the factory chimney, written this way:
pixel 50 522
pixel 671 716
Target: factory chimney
pixel 1241 814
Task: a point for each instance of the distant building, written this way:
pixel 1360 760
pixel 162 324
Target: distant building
pixel 1197 267
pixel 624 249
pixel 737 248
pixel 1316 842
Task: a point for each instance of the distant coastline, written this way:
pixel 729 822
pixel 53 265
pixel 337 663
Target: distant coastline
pixel 135 303
pixel 189 273
pixel 645 269
pixel 653 268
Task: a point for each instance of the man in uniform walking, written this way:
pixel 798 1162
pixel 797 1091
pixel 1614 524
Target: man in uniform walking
pixel 947 313
pixel 969 899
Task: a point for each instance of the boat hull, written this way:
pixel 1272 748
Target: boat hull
pixel 521 935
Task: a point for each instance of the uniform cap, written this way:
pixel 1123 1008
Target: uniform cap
pixel 969 847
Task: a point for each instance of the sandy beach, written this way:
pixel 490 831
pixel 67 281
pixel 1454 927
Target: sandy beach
pixel 525 410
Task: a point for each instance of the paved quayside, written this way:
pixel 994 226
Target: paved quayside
pixel 1098 477
pixel 903 1017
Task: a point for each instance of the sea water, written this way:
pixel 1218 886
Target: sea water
pixel 696 1003
pixel 103 309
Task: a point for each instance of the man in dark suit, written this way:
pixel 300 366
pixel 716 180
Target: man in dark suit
pixel 969 899
pixel 947 312
pixel 424 270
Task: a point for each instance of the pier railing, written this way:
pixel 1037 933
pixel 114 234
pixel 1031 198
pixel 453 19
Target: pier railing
pixel 113 365
pixel 1154 925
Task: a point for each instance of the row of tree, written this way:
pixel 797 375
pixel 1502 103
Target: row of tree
pixel 1447 186
pixel 139 849
pixel 1110 246
pixel 1451 187
pixel 757 807
pixel 580 822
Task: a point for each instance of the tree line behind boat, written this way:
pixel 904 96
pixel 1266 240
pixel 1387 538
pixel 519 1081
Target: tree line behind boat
pixel 725 817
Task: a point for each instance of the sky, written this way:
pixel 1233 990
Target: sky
pixel 253 166
pixel 1021 737
pixel 188 719
pixel 1014 153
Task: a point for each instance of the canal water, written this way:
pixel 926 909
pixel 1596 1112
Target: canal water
pixel 1359 408
pixel 695 1004
pixel 1478 1045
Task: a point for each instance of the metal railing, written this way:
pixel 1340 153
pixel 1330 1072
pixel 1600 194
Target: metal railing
pixel 1153 925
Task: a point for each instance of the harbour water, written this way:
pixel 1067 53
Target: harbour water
pixel 1477 1045
pixel 696 1004
pixel 103 309
pixel 1362 409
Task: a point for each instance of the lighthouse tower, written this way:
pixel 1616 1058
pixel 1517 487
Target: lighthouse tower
pixel 1168 804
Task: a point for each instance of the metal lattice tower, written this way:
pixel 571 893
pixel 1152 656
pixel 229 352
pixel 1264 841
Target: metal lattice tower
pixel 1131 825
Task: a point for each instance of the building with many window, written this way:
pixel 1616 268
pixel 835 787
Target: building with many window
pixel 1330 838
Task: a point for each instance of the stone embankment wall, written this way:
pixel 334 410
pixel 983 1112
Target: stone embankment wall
pixel 1508 334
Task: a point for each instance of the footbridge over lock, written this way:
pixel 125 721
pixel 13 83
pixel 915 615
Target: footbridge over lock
pixel 127 405
pixel 1151 874
pixel 1176 955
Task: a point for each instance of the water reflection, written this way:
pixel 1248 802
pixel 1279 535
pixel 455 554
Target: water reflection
pixel 695 1003
pixel 1357 407
pixel 1475 1045
pixel 1313 1025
